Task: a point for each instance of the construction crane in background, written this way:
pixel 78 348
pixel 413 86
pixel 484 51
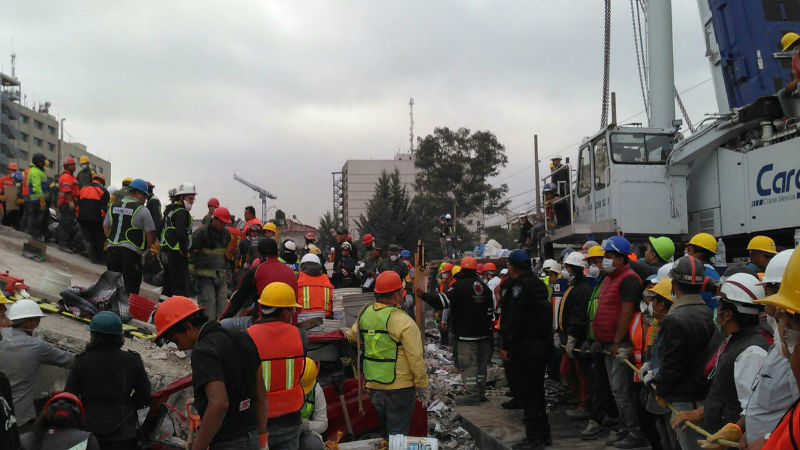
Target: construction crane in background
pixel 263 194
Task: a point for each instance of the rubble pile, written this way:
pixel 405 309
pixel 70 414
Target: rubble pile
pixel 445 386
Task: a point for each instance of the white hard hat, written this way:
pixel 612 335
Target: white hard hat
pixel 504 272
pixel 185 189
pixel 776 267
pixel 448 216
pixel 289 245
pixel 555 268
pixel 663 271
pixel 310 257
pixel 548 264
pixel 575 259
pixel 24 309
pixel 741 289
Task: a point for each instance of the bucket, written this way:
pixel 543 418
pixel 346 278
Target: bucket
pixel 54 282
pixel 141 307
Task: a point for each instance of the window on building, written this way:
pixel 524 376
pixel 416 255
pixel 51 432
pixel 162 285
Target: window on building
pixel 52 163
pixel 51 146
pixel 99 169
pixel 37 142
pixel 23 137
pixel 39 125
pixel 51 130
pixel 23 118
pixel 23 153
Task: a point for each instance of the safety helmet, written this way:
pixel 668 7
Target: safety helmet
pixel 663 289
pixel 309 378
pixel 742 288
pixel 762 244
pixel 24 309
pixel 489 267
pixel 548 187
pixel 518 258
pixel 342 230
pixel 548 264
pixel 172 311
pixel 617 244
pixel 213 202
pixel 253 227
pixel 455 270
pixel 788 40
pixel 469 263
pixel 346 246
pixel 69 161
pixel 367 239
pixel 523 216
pixel 67 398
pixel 4 300
pixel 139 185
pixel 504 272
pixel 663 246
pixel 13 166
pixel 575 259
pixel 405 254
pixel 446 267
pixel 106 322
pixel 314 250
pixel 310 237
pixel 84 159
pixel 100 177
pixel 310 258
pixel 589 244
pixel 776 267
pixel 594 252
pixel 555 157
pixel 270 226
pixel 393 249
pixel 185 188
pixel 223 215
pixel 689 270
pixel 555 268
pixel 279 295
pixel 388 281
pixel 788 296
pixel 704 241
pixel 289 246
pixel 127 181
pixel 448 217
pixel 38 159
pixel 480 268
pixel 663 271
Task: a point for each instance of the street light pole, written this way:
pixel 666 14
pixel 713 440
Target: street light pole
pixel 60 140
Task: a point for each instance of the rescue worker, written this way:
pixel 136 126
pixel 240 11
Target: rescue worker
pixel 685 332
pixel 703 246
pixel 248 247
pixel 38 196
pixel 310 239
pixel 122 191
pixel 280 348
pixel 369 243
pixel 129 228
pixel 227 376
pixel 111 383
pixel 314 288
pixel 373 265
pixel 762 249
pixel 9 434
pixel 250 217
pixel 526 345
pixel 22 354
pixel 344 270
pixel 212 204
pixel 86 175
pixel 571 332
pixel 525 236
pixel 68 193
pixel 271 231
pixel 176 239
pixel 619 297
pixel 289 255
pixel 559 174
pixel 493 283
pixel 789 43
pixel 209 244
pixel 446 232
pixel 12 214
pixel 91 212
pixel 391 359
pixel 60 426
pixel 395 263
pixel 154 205
pixel 341 238
pixel 659 251
pixel 314 413
pixel 737 362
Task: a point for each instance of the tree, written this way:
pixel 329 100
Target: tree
pixel 506 237
pixel 280 218
pixel 325 239
pixel 389 217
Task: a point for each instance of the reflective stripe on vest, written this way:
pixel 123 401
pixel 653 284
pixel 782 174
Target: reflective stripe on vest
pixel 122 228
pixel 308 406
pixel 167 226
pixel 316 293
pixel 280 349
pixel 591 308
pixel 637 335
pixel 380 350
pixel 210 273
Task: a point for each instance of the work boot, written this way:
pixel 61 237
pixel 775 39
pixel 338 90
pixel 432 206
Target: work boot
pixel 609 421
pixel 465 400
pixel 615 436
pixel 578 413
pixel 632 441
pixel 592 431
pixel 512 404
pixel 528 444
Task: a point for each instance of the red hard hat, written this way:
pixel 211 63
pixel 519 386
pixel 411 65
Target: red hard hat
pixel 367 239
pixel 310 237
pixel 489 267
pixel 222 214
pixel 349 237
pixel 66 396
pixel 13 166
pixel 150 185
pixel 213 202
pixel 388 281
pixel 469 263
pixel 447 267
pixel 172 311
pixel 69 160
pixel 481 268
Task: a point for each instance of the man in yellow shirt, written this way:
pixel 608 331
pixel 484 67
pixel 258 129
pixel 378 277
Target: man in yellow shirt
pixel 391 355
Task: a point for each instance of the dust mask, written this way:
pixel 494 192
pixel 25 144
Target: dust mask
pixel 566 275
pixel 188 205
pixel 393 258
pixel 608 265
pixel 444 276
pixel 593 271
pixel 775 334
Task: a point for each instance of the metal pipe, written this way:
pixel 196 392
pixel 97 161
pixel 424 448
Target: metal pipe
pixel 661 64
pixel 536 174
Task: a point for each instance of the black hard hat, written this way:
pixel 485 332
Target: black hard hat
pixel 688 270
pixel 38 158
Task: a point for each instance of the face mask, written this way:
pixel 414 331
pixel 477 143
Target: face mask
pixel 188 205
pixel 650 309
pixel 566 275
pixel 776 336
pixel 608 265
pixel 593 271
pixel 643 306
pixel 716 320
pixel 393 257
pixel 444 276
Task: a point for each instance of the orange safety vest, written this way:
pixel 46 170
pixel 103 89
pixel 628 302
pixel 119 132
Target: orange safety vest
pixel 640 341
pixel 280 349
pixel 253 221
pixel 67 189
pixel 787 434
pixel 315 293
pixel 25 188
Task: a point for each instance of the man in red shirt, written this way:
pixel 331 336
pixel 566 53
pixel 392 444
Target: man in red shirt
pixel 67 199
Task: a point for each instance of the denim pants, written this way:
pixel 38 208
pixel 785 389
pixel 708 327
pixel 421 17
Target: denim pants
pixel 285 439
pixel 624 391
pixel 246 442
pixel 395 408
pixel 687 437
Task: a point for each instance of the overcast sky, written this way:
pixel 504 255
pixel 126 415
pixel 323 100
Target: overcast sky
pixel 283 93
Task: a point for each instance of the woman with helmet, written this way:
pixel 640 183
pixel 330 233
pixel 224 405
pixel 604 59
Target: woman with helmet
pixel 60 426
pixel 103 377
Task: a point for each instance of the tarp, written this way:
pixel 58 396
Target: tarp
pixel 107 294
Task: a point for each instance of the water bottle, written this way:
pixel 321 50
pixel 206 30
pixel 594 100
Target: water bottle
pixel 721 262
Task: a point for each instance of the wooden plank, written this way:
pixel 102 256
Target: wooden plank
pixel 420 275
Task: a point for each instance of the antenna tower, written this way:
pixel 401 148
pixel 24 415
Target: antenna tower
pixel 411 128
pixel 14 65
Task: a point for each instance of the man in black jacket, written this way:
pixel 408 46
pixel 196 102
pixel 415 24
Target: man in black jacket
pixel 525 330
pixel 687 329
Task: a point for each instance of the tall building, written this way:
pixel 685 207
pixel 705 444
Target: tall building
pixel 358 184
pixel 9 93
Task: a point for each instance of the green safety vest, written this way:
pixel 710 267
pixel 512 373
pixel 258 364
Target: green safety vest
pixel 591 308
pixel 379 354
pixel 308 406
pixel 168 230
pixel 546 281
pixel 122 228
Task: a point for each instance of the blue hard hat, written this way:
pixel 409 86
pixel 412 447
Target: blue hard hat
pixel 139 184
pixel 618 244
pixel 405 254
pixel 549 187
pixel 106 322
pixel 518 258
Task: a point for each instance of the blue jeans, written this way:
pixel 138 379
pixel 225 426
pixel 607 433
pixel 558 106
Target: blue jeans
pixel 246 442
pixel 395 408
pixel 288 439
pixel 622 387
pixel 687 437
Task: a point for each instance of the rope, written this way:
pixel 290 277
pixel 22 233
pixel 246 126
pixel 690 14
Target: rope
pixel 672 408
pixel 606 64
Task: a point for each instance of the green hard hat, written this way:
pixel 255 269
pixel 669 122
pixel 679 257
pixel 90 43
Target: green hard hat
pixel 663 246
pixel 106 322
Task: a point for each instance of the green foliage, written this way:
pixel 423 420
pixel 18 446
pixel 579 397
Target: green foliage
pixel 506 237
pixel 389 217
pixel 325 239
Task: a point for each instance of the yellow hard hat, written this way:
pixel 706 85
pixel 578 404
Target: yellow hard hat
pixel 705 241
pixel 789 39
pixel 4 299
pixel 269 226
pixel 83 159
pixel 662 288
pixel 127 180
pixel 763 244
pixel 594 252
pixel 455 270
pixel 309 378
pixel 788 296
pixel 279 295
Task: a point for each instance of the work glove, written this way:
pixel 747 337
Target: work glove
pixel 729 432
pixel 648 377
pixel 662 402
pixel 424 395
pixel 19 202
pixel 557 340
pixel 155 248
pixel 571 341
pixel 597 348
pixel 42 204
pixel 586 348
pixel 624 353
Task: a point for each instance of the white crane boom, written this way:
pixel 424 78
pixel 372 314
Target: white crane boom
pixel 263 194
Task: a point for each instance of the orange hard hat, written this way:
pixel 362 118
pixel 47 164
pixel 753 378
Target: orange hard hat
pixel 100 176
pixel 222 214
pixel 69 397
pixel 367 239
pixel 69 161
pixel 172 311
pixel 481 268
pixel 469 263
pixel 446 267
pixel 214 203
pixel 489 267
pixel 632 256
pixel 13 166
pixel 388 281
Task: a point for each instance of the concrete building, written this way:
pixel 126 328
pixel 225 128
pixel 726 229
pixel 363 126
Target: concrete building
pixel 358 184
pixel 76 150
